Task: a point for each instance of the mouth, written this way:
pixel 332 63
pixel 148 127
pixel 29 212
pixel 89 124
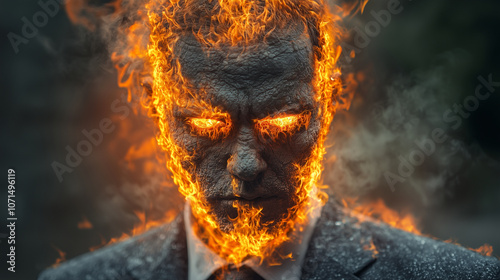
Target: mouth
pixel 250 200
pixel 252 194
pixel 256 201
pixel 272 207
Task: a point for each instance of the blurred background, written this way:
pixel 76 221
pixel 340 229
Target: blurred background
pixel 411 68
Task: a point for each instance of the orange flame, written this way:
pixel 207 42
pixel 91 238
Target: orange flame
pixel 371 247
pixel 84 223
pixel 379 211
pixel 353 7
pixel 61 258
pixel 80 12
pixel 485 250
pixel 141 227
pixel 273 127
pixel 211 124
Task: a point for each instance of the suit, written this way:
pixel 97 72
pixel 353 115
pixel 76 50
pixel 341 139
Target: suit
pixel 337 250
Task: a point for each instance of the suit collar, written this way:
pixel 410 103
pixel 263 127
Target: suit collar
pixel 202 261
pixel 337 249
pixel 166 252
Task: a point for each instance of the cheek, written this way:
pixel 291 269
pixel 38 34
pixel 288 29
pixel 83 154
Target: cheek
pixel 301 144
pixel 207 165
pixel 190 146
pixel 210 166
pixel 297 150
pixel 207 161
pixel 305 141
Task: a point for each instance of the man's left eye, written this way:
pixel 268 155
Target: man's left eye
pixel 273 127
pixel 283 122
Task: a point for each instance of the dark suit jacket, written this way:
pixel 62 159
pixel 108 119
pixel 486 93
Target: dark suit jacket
pixel 335 252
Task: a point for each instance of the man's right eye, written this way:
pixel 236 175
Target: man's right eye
pixel 202 123
pixel 209 127
pixel 285 125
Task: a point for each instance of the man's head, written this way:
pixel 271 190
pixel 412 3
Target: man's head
pixel 266 122
pixel 243 94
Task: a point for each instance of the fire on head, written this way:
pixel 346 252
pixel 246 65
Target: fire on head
pixel 243 93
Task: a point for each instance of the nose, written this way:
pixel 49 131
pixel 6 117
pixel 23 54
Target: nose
pixel 246 162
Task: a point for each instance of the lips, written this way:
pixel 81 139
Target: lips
pixel 229 203
pixel 250 200
pixel 272 208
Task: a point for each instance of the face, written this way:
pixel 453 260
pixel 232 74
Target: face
pixel 250 121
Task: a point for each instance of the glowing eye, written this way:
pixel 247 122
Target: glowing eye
pixel 282 125
pixel 284 122
pixel 207 127
pixel 203 123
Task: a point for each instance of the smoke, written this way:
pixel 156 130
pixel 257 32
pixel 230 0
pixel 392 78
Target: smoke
pixel 400 138
pixel 372 143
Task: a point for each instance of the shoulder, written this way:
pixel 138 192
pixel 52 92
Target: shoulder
pixel 401 253
pixel 151 255
pixel 376 250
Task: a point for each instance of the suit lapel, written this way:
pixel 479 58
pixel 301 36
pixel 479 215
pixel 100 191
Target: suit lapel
pixel 164 251
pixel 338 248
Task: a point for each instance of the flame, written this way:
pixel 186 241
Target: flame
pixel 141 227
pixel 80 12
pixel 211 124
pixel 380 212
pixel 371 247
pixel 273 127
pixel 84 223
pixel 485 250
pixel 61 258
pixel 202 123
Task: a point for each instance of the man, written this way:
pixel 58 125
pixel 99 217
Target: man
pixel 243 93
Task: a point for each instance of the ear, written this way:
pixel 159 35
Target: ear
pixel 88 14
pixel 147 85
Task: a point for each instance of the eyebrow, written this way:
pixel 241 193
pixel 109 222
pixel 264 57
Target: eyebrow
pixel 292 109
pixel 199 110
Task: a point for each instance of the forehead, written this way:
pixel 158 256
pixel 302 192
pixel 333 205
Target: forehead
pixel 259 79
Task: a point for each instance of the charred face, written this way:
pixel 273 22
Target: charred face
pixel 243 94
pixel 265 127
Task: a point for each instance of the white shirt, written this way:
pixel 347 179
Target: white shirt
pixel 203 262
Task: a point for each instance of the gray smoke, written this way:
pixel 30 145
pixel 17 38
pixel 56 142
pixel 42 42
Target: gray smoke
pixel 395 128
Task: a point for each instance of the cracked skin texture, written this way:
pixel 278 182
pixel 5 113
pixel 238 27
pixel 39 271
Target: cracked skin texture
pixel 335 252
pixel 263 79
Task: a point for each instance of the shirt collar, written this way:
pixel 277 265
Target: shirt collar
pixel 203 262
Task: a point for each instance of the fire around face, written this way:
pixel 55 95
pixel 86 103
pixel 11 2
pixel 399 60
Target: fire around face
pixel 246 154
pixel 243 93
pixel 243 113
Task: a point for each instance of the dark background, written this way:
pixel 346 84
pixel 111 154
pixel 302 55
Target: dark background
pixel 426 59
